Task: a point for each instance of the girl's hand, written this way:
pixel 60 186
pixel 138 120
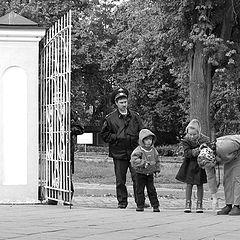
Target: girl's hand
pixel 204 145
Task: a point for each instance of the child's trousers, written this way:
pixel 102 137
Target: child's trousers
pixel 143 181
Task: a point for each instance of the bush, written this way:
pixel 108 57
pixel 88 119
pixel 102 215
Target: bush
pixel 164 150
pixel 170 150
pixel 91 148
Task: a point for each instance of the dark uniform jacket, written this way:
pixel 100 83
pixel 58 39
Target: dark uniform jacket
pixel 121 132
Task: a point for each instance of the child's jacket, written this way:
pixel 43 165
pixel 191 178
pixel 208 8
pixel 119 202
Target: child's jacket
pixel 145 161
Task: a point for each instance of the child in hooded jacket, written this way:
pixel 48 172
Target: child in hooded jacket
pixel 190 172
pixel 144 159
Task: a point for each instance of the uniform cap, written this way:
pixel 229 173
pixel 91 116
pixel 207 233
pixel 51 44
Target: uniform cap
pixel 118 93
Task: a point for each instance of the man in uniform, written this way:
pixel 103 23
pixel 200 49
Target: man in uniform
pixel 120 130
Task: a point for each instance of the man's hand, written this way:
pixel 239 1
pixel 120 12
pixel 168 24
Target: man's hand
pixel 157 174
pixel 146 164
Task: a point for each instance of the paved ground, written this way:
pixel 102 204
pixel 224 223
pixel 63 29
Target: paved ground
pixel 95 217
pixel 60 222
pixel 98 195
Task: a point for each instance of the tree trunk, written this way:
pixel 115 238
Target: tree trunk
pixel 200 75
pixel 200 88
pixel 228 21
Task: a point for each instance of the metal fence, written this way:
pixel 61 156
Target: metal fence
pixel 55 84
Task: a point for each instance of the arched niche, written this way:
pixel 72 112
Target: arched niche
pixel 13 92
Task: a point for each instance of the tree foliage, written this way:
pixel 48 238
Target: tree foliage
pixel 138 61
pixel 212 33
pixel 90 40
pixel 179 59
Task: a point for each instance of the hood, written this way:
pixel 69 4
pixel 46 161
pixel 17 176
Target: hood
pixel 195 124
pixel 145 133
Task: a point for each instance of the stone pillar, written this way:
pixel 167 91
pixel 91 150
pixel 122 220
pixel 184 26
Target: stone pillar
pixel 19 64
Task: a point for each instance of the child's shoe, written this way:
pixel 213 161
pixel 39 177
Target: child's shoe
pixel 188 206
pixel 199 208
pixel 156 209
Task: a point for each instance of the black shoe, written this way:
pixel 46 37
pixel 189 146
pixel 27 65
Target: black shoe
pixel 67 204
pixel 52 202
pixel 156 209
pixel 122 206
pixel 140 209
pixel 235 211
pixel 224 211
pixel 199 208
pixel 188 206
pixel 146 205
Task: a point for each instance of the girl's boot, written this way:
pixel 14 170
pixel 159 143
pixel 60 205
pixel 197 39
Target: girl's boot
pixel 188 206
pixel 199 208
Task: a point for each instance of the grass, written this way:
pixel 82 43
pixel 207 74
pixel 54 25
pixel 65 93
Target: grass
pixel 103 173
pixel 93 172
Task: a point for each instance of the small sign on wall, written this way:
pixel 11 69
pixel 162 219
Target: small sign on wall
pixel 85 138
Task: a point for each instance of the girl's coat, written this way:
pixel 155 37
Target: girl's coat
pixel 190 172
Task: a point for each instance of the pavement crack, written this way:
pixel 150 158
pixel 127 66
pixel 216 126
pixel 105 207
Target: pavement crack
pixel 207 225
pixel 147 237
pixel 125 229
pixel 107 232
pixel 36 233
pixel 219 234
pixel 161 224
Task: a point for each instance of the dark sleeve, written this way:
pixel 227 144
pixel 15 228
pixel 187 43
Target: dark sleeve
pixel 76 126
pixel 204 139
pixel 107 134
pixel 188 151
pixel 77 129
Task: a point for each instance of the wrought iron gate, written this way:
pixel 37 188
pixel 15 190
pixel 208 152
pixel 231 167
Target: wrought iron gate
pixel 55 168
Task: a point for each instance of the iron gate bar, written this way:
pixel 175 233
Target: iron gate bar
pixel 55 166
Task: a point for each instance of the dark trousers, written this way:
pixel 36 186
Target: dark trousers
pixel 143 181
pixel 72 190
pixel 120 169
